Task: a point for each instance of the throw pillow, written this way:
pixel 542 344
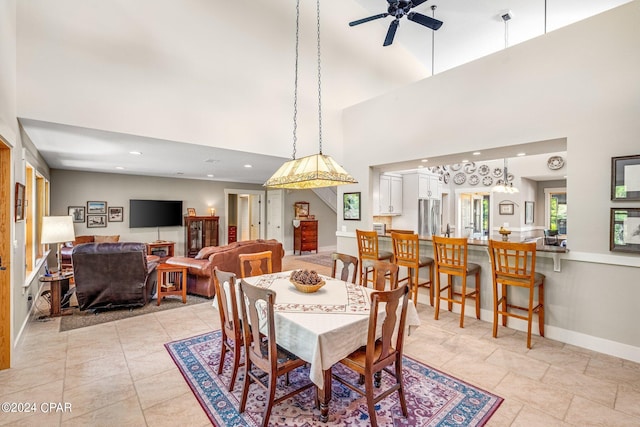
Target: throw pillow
pixel 107 239
pixel 83 239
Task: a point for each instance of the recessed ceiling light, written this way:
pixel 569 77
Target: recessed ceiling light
pixel 210 175
pixel 465 161
pixel 476 153
pixel 420 166
pixel 179 173
pixel 248 166
pixel 135 153
pixel 521 154
pixel 119 167
pixel 424 160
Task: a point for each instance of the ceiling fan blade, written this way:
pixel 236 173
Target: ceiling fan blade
pixel 417 2
pixel 425 20
pixel 371 18
pixel 391 33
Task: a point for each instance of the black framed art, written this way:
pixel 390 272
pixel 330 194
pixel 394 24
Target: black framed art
pixel 624 231
pixel 351 206
pixel 625 178
pixel 20 201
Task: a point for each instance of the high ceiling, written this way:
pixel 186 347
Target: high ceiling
pixel 201 90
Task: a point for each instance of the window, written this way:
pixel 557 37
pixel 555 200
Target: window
pixel 36 206
pixel 556 209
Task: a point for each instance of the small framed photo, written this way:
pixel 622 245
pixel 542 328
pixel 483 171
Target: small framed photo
pixel 116 214
pixel 624 233
pixel 77 212
pixel 351 206
pixel 625 178
pixel 301 209
pixel 20 201
pixel 96 208
pixel 529 212
pixel 191 212
pixel 96 221
pixel 505 208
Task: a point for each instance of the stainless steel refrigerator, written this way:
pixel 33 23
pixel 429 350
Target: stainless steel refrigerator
pixel 429 217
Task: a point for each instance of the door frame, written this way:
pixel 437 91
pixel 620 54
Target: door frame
pixel 6 231
pixel 239 192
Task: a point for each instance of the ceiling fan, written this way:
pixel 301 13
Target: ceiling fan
pixel 398 9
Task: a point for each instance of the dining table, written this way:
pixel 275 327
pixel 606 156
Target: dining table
pixel 322 327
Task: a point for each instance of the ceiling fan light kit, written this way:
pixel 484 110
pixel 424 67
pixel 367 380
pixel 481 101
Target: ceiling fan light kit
pixel 318 170
pixel 398 9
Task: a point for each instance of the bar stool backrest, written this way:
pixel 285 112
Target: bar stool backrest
pixel 450 254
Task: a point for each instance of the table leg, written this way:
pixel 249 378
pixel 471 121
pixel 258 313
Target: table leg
pixel 324 395
pixel 54 288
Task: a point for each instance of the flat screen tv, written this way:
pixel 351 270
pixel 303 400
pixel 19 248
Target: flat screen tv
pixel 155 213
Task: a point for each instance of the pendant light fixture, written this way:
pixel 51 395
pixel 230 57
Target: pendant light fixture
pixel 317 170
pixel 507 187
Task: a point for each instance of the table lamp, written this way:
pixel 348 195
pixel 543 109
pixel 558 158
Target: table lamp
pixel 56 230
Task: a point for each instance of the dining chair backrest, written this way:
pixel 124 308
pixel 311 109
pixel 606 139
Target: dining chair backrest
pixel 382 270
pixel 225 291
pixel 257 309
pixel 255 264
pixel 349 266
pixel 450 255
pixel 394 320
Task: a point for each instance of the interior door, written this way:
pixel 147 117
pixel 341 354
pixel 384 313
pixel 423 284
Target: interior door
pixel 254 216
pixel 275 215
pixel 6 196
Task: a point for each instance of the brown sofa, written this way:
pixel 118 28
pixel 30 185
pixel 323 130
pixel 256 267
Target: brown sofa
pixel 65 251
pixel 200 277
pixel 112 275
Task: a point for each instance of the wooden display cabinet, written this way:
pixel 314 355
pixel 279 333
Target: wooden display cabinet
pixel 200 232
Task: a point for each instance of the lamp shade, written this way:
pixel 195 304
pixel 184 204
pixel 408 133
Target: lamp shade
pixel 313 171
pixel 57 229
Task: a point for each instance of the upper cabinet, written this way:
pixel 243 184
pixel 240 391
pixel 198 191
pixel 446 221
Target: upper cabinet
pixel 429 186
pixel 390 202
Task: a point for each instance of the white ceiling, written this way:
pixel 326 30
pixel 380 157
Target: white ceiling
pixel 219 92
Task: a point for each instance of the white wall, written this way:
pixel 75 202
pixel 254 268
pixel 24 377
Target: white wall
pixel 579 83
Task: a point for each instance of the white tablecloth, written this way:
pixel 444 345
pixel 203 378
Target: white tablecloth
pixel 321 338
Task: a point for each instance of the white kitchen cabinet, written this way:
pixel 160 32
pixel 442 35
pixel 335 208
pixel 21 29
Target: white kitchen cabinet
pixel 429 186
pixel 390 202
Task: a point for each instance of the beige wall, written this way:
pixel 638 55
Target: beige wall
pixel 579 83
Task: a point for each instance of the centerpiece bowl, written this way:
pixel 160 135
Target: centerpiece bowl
pixel 306 281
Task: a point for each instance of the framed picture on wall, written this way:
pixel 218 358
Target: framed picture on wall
pixel 624 232
pixel 20 201
pixel 351 206
pixel 96 221
pixel 301 209
pixel 77 212
pixel 529 212
pixel 505 208
pixel 96 208
pixel 116 214
pixel 625 178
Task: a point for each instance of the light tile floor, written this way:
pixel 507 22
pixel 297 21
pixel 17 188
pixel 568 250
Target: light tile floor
pixel 119 373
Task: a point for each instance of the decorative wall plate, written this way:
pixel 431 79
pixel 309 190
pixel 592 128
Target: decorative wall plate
pixel 459 178
pixel 484 170
pixel 474 179
pixel 487 180
pixel 456 167
pixel 445 177
pixel 510 177
pixel 470 167
pixel 555 163
pixel 497 172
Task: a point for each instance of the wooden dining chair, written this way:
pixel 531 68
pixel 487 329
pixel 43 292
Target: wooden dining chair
pixel 380 353
pixel 231 327
pixel 261 350
pixel 259 263
pixel 368 249
pixel 382 271
pixel 514 264
pixel 406 253
pixel 451 259
pixel 349 264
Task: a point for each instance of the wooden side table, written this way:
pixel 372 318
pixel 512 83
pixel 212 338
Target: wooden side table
pixel 164 249
pixel 172 280
pixel 57 282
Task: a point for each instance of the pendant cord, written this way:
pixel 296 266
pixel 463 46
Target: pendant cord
pixel 295 83
pixel 319 85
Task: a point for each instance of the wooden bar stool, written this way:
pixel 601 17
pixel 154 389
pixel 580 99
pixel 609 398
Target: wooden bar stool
pixel 406 253
pixel 514 264
pixel 451 259
pixel 368 249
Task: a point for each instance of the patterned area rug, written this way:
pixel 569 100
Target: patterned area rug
pixel 433 398
pixel 323 259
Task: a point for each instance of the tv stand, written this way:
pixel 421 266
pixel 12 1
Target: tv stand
pixel 163 249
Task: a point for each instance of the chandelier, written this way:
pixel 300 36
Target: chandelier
pixel 317 170
pixel 505 187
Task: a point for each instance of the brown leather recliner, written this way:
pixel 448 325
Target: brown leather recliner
pixel 113 275
pixel 200 277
